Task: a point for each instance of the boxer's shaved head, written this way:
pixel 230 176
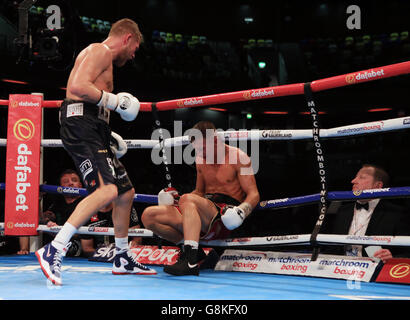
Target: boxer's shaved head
pixel 125 26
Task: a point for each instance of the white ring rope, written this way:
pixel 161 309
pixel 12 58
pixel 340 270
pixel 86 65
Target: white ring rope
pixel 334 239
pixel 97 231
pixel 300 239
pixel 258 135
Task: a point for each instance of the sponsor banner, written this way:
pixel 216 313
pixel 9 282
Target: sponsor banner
pixel 370 191
pixel 189 102
pixel 395 270
pixel 258 94
pixel 68 190
pixel 362 128
pixel 373 239
pixel 151 255
pixel 287 239
pixel 365 75
pixel 155 255
pixel 23 164
pixel 236 134
pixel 282 238
pixel 276 134
pixel 275 201
pixel 289 263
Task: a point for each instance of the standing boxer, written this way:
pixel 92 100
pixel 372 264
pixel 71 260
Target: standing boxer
pixel 85 133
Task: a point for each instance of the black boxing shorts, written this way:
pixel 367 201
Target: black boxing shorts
pixel 216 228
pixel 86 135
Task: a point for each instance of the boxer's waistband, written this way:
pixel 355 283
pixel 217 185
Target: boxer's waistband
pixel 76 108
pixel 222 198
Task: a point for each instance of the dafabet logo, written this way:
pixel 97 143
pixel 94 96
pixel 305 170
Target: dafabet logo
pixel 24 129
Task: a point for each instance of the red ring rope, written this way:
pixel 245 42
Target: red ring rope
pixel 269 92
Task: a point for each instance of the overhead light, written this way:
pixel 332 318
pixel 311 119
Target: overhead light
pixel 14 81
pixel 305 112
pixel 261 64
pixel 275 112
pixel 217 109
pixel 248 19
pixel 379 109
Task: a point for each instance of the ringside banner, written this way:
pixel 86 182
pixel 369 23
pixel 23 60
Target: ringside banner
pixel 288 263
pixel 151 255
pixel 23 164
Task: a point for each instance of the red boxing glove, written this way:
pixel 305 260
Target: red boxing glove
pixel 168 197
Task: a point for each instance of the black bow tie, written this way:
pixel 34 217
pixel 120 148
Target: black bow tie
pixel 364 206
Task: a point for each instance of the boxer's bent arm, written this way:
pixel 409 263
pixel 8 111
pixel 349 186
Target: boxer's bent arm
pixel 98 58
pixel 248 185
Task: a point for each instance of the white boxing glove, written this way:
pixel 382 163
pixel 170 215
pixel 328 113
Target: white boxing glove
pixel 124 103
pixel 232 217
pixel 168 197
pixel 118 145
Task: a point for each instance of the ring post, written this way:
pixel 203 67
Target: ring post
pixel 35 241
pixel 22 165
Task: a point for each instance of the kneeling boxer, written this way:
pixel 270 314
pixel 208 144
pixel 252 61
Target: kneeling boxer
pixel 225 194
pixel 86 135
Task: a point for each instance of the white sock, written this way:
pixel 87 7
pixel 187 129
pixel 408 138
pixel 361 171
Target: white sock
pixel 191 243
pixel 65 234
pixel 121 243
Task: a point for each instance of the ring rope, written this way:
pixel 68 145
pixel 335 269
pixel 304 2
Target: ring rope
pixel 394 192
pixel 95 231
pixel 343 80
pixel 301 239
pixel 365 128
pixel 304 239
pixel 291 89
pixel 285 90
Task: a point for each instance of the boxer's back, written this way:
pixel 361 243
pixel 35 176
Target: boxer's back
pixel 88 69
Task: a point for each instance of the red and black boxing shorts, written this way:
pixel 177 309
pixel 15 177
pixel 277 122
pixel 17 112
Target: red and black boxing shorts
pixel 216 228
pixel 86 136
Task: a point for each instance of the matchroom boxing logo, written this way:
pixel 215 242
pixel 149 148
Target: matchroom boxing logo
pixel 24 129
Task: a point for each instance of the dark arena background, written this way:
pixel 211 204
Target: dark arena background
pixel 197 48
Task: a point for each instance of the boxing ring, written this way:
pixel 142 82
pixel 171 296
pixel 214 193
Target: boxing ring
pixel 90 280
